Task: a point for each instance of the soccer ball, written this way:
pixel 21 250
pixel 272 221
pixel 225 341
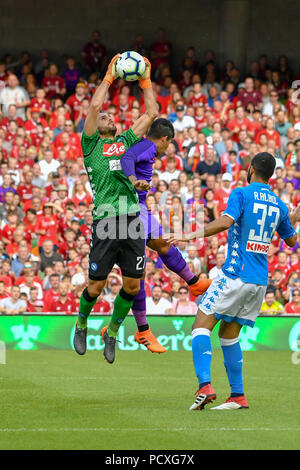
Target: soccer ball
pixel 130 66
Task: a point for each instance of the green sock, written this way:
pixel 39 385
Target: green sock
pixel 85 307
pixel 122 305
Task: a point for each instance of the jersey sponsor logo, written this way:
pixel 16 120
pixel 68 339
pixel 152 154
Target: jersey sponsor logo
pixel 113 149
pixel 256 247
pixel 115 165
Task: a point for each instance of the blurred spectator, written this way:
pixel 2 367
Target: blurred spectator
pixel 64 303
pixel 71 75
pixel 209 166
pixel 29 283
pixel 294 305
pixel 183 306
pixel 13 305
pixel 270 305
pixel 183 121
pixel 160 50
pixel 94 54
pixel 157 305
pixel 249 94
pixel 217 269
pixel 48 256
pixel 48 164
pixel 34 304
pixel 53 84
pixel 14 94
pixel 115 285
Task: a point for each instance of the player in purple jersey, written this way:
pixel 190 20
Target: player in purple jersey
pixel 252 216
pixel 137 164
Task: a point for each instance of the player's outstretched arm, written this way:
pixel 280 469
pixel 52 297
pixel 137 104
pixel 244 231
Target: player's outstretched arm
pixel 141 126
pixel 90 125
pixel 216 226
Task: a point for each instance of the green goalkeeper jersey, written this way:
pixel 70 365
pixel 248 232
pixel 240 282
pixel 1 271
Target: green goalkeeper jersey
pixel 113 194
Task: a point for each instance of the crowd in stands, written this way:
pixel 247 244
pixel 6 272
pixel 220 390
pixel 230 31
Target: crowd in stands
pixel 222 118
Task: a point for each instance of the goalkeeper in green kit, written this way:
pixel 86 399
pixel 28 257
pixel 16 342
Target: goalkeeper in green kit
pixel 116 210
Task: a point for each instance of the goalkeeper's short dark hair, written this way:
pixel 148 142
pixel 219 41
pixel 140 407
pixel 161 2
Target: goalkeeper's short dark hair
pixel 264 165
pixel 160 128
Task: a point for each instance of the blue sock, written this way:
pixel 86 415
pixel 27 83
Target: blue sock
pixel 233 361
pixel 201 347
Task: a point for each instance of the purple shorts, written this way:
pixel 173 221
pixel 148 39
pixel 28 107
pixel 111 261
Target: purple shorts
pixel 152 227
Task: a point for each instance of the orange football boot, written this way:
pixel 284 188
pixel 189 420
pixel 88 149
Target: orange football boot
pixel 200 287
pixel 148 339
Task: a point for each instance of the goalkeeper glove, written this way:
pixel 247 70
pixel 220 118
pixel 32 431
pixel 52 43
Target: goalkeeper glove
pixel 145 80
pixel 111 73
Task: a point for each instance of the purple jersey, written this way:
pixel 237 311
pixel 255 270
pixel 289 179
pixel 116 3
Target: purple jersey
pixel 138 161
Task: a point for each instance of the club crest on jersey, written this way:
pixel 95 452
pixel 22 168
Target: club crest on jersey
pixel 257 247
pixel 113 149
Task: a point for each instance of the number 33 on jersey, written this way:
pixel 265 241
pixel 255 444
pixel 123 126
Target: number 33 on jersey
pixel 258 213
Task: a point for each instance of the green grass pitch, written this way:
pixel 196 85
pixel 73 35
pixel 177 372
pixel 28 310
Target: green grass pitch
pixel 58 400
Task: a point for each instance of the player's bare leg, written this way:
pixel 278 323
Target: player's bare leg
pixel 202 354
pixel 174 261
pixel 233 361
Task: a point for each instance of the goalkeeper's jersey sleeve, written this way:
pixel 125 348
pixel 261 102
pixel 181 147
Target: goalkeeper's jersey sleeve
pixel 113 194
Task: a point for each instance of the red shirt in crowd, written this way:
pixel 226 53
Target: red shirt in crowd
pixel 68 306
pixel 178 160
pixel 49 224
pixel 41 104
pixel 160 48
pixel 243 124
pixel 221 198
pixel 49 297
pixel 102 306
pixel 74 102
pixel 8 232
pixel 25 191
pixel 31 126
pixel 55 84
pixel 292 308
pixel 247 97
pixel 5 121
pixel 273 135
pixel 198 99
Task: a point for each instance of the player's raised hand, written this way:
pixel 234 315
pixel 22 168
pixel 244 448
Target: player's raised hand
pixel 145 80
pixel 111 73
pixel 141 185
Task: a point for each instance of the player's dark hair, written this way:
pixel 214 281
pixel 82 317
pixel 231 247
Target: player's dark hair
pixel 160 128
pixel 264 165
